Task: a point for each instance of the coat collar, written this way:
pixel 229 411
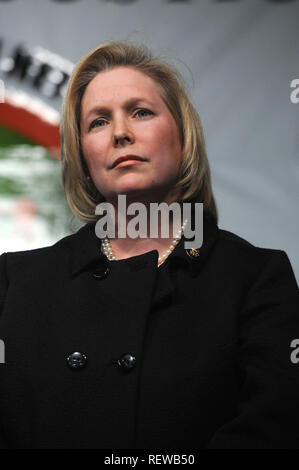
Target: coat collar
pixel 195 258
pixel 85 250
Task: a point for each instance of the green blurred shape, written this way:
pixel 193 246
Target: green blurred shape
pixel 9 137
pixel 10 187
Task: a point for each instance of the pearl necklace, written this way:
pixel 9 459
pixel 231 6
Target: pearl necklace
pixel 107 250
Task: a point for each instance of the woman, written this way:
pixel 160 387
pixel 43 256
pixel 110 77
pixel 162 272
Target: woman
pixel 141 342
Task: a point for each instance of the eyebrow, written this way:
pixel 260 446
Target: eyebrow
pixel 127 105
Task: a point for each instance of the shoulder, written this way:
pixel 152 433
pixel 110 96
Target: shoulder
pixel 232 245
pixel 37 260
pixel 241 258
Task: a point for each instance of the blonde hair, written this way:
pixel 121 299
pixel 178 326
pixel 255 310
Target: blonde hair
pixel 194 178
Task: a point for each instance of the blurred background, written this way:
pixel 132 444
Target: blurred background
pixel 240 59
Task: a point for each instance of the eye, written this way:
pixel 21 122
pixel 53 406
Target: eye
pixel 143 111
pixel 92 125
pixel 101 120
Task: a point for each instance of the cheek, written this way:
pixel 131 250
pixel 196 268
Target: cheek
pixel 166 145
pixel 93 152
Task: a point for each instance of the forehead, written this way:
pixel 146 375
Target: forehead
pixel 119 83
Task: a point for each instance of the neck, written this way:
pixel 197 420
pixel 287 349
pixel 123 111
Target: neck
pixel 108 251
pixel 149 231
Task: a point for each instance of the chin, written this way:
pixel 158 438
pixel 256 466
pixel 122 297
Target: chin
pixel 132 185
pixel 133 192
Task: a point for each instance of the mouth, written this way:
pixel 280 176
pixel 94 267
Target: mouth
pixel 130 159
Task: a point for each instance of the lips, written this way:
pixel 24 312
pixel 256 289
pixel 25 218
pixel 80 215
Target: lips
pixel 126 157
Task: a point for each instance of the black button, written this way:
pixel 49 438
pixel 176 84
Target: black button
pixel 127 362
pixel 76 360
pixel 101 272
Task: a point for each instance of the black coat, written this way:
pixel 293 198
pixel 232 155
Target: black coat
pixel 193 354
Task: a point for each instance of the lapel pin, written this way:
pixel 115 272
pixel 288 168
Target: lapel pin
pixel 192 252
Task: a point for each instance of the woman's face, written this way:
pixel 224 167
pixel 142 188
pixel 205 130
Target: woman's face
pixel 122 113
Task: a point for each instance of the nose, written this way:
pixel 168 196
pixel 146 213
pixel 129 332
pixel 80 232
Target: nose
pixel 122 133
